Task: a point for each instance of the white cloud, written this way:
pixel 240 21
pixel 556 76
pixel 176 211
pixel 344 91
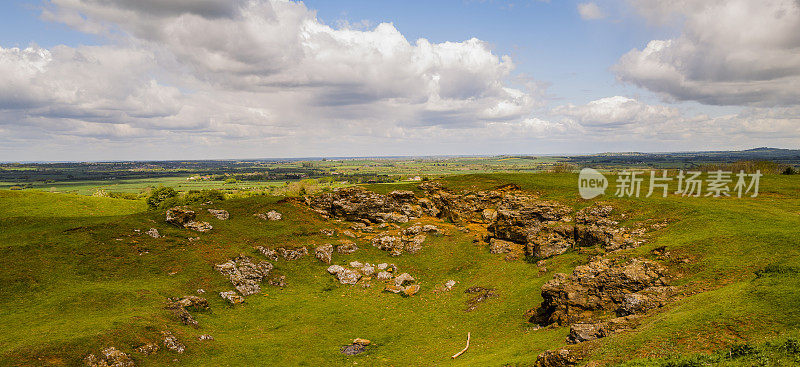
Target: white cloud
pixel 731 52
pixel 590 11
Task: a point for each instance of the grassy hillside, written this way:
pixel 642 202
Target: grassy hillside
pixel 77 277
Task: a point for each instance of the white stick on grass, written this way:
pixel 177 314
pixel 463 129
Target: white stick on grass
pixel 463 350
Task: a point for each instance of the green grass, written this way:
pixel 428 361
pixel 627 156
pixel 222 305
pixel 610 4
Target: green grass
pixel 79 278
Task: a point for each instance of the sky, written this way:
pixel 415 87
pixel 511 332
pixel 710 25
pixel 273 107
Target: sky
pixel 94 80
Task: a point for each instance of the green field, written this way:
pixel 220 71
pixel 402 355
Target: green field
pixel 77 277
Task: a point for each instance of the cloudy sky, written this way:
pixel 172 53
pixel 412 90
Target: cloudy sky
pixel 199 79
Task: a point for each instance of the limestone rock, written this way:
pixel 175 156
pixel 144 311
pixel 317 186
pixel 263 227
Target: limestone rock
pixel 268 252
pixel 273 215
pixel 411 290
pixel 384 275
pixel 324 253
pixel 348 276
pixel 198 226
pixel 205 337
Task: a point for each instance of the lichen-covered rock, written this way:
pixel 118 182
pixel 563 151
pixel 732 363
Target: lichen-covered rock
pixel 384 275
pixel 448 285
pixel 594 289
pixel 180 307
pixel 645 300
pixel 199 226
pixel 324 253
pixel 414 244
pixel 109 357
pixel 244 274
pixel 356 204
pixel 219 214
pixel 368 270
pixel 273 215
pixel 348 276
pixel 205 337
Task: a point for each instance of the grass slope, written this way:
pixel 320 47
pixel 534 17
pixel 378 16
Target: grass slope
pixel 76 277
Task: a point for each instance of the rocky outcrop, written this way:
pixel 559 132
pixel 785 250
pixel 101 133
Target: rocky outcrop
pixel 244 274
pixel 109 357
pixel 219 214
pixel 595 289
pixel 183 217
pixel 356 204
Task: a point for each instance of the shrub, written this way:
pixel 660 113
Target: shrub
pixel 230 181
pixel 159 197
pixel 123 195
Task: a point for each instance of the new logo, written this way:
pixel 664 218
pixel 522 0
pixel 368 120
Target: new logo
pixel 591 183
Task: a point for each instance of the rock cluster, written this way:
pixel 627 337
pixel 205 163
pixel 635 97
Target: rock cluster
pixel 147 348
pixel 244 274
pixel 356 204
pixel 183 217
pixel 219 214
pixel 109 357
pixel 357 271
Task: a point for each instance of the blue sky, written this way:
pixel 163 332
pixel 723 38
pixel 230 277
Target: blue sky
pixel 160 79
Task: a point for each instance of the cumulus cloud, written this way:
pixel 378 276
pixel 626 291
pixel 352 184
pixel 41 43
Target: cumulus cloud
pixel 249 69
pixel 730 52
pixel 590 11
